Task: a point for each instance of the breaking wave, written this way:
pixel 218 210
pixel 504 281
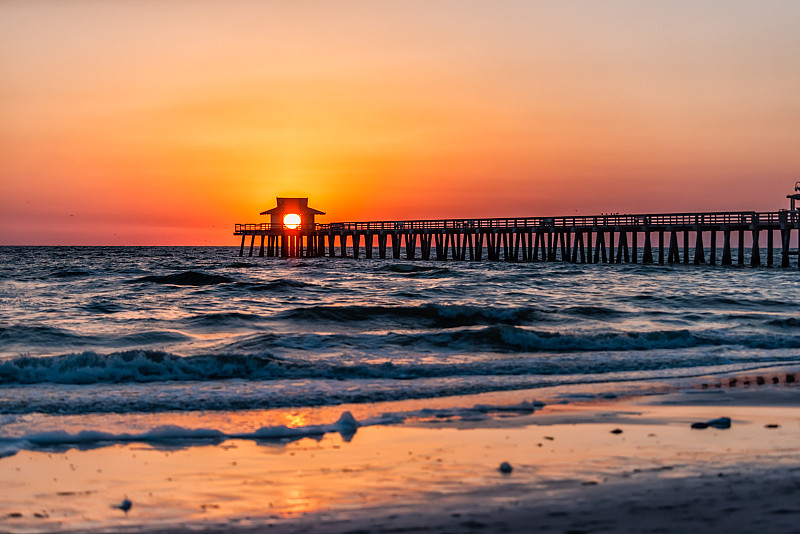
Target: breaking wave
pixel 547 354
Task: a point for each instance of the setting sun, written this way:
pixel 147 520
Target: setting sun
pixel 291 221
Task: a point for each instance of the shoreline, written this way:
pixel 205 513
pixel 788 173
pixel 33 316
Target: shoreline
pixel 570 473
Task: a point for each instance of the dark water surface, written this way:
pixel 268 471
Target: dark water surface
pixel 104 331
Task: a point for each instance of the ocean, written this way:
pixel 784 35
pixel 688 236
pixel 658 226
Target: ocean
pixel 101 345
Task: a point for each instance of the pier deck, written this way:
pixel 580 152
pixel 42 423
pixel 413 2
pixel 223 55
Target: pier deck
pixel 689 238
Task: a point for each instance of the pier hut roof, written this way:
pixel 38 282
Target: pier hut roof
pixel 292 204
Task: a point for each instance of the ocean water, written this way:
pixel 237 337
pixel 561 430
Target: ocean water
pixel 101 344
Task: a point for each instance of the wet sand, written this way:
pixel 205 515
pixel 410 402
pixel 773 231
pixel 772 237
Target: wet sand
pixel 625 465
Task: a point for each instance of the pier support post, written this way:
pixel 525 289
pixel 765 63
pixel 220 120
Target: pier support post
pixel 396 245
pixel 356 244
pixel 252 242
pixel 611 246
pixel 623 256
pixel 568 240
pixel 241 250
pixel 647 257
pixel 635 247
pixel 740 259
pixel 712 254
pixel 578 246
pixel 785 236
pixel 699 251
pixel 686 247
pixel 343 243
pixel 479 245
pixel 726 247
pixel 497 245
pixel 411 245
pixel 600 247
pixel 438 238
pixel 770 247
pixel 674 254
pixel 369 241
pixel 425 244
pixel 382 245
pixel 661 247
pixel 261 250
pixel 755 255
pixel 589 245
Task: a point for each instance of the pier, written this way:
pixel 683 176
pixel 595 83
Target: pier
pixel 672 238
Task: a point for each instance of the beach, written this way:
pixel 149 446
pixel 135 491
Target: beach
pixel 587 464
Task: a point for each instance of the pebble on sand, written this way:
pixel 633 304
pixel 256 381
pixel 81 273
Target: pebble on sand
pixel 506 468
pixel 125 505
pixel 720 423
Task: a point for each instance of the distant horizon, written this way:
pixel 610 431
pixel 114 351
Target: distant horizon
pixel 263 219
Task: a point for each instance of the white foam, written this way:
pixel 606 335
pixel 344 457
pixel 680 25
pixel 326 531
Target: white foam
pixel 346 425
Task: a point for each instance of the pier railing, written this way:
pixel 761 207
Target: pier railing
pixel 605 220
pixel 240 229
pixel 667 219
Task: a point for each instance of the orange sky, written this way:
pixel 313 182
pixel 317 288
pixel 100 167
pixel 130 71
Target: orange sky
pixel 144 122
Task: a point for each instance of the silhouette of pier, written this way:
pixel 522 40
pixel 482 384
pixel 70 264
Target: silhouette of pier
pixel 672 238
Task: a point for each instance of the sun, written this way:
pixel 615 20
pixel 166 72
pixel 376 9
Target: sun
pixel 291 221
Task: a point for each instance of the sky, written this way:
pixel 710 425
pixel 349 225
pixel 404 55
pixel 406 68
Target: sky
pixel 143 122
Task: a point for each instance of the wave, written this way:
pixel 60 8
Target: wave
pixel 274 285
pixel 508 338
pixel 714 302
pixel 136 366
pixel 532 353
pixel 408 268
pixel 41 335
pixel 594 312
pixel 24 336
pixel 436 315
pixel 188 278
pixel 785 322
pixel 69 274
pixel 346 425
pixel 412 270
pixel 103 307
pixel 221 319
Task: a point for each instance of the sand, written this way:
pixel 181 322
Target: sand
pixel 611 465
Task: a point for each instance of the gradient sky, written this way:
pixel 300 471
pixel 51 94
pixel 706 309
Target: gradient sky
pixel 166 122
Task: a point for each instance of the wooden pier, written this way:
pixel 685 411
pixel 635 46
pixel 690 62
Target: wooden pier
pixel 688 238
